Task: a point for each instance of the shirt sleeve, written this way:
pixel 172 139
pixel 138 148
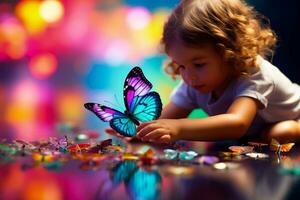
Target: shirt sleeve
pixel 256 87
pixel 183 96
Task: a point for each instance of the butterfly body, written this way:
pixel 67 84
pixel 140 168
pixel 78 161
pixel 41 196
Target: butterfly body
pixel 141 105
pixel 131 117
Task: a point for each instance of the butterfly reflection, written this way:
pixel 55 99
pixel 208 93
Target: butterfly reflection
pixel 141 105
pixel 139 183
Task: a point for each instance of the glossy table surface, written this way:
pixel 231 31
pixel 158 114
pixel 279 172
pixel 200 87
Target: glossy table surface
pixel 127 176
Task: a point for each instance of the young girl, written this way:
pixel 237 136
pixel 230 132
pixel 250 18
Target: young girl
pixel 218 48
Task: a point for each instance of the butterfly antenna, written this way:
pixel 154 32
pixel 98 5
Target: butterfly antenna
pixel 112 104
pixel 118 102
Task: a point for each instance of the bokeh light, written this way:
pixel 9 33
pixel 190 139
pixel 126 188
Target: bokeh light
pixel 42 66
pixel 55 55
pixel 69 106
pixel 12 38
pixel 117 53
pixel 51 11
pixel 29 12
pixel 138 18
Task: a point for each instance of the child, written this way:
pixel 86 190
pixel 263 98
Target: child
pixel 218 48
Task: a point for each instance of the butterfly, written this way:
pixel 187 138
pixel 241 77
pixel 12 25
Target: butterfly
pixel 148 157
pixel 59 143
pixel 277 147
pixel 257 145
pixel 241 149
pixel 78 147
pixel 171 154
pixel 141 105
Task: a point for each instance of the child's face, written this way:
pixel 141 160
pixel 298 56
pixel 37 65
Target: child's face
pixel 202 68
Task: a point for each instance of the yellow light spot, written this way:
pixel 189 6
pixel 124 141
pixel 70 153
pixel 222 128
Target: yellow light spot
pixel 29 12
pixel 51 11
pixel 180 170
pixel 69 106
pixel 220 166
pixel 17 113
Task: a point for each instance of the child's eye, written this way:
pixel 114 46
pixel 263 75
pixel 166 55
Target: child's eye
pixel 199 65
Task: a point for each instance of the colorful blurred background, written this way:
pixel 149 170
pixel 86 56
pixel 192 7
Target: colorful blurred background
pixel 55 55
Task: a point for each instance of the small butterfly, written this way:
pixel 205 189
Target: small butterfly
pixel 141 105
pixel 59 143
pixel 241 149
pixel 148 158
pixel 171 154
pixel 258 145
pixel 277 147
pixel 78 147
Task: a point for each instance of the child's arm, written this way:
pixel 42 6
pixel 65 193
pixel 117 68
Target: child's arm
pixel 171 111
pixel 231 125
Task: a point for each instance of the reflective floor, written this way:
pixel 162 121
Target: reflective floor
pixel 132 175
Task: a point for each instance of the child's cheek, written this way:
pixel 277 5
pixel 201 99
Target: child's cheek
pixel 185 77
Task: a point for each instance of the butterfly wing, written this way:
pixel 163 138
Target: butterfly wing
pixel 117 120
pixel 241 149
pixel 287 147
pixel 123 171
pixel 123 125
pixel 142 108
pixel 146 108
pixel 276 146
pixel 142 104
pixel 135 84
pixel 103 112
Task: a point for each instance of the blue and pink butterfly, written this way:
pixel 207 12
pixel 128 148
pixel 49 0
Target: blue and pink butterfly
pixel 141 105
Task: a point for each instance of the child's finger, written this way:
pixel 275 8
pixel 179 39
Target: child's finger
pixel 153 135
pixel 145 131
pixel 164 139
pixel 143 125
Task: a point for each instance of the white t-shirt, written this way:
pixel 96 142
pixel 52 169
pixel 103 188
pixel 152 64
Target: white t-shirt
pixel 278 96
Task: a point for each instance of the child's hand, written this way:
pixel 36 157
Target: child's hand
pixel 162 130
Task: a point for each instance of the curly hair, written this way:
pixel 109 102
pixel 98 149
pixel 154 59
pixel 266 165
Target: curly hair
pixel 232 26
